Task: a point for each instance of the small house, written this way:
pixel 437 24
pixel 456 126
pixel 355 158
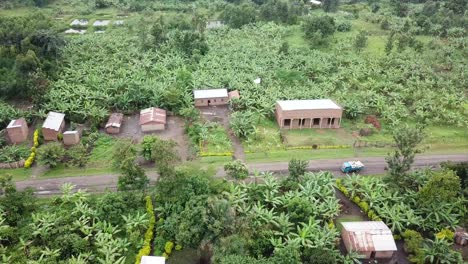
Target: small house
pixel 370 239
pixel 18 130
pixel 233 94
pixel 152 119
pixel 53 125
pixel 211 97
pixel 298 114
pixel 114 123
pixel 71 138
pixel 101 23
pixel 79 23
pixel 152 260
pixel 315 3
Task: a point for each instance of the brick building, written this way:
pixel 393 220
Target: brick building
pixel 114 123
pixel 152 119
pixel 370 239
pixel 18 130
pixel 298 114
pixel 53 125
pixel 211 97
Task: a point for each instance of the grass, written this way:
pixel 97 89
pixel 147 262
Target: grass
pixel 62 171
pixel 267 137
pixel 217 141
pixel 308 137
pixel 19 174
pixel 102 152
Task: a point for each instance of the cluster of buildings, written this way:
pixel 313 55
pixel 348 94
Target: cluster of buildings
pixel 290 114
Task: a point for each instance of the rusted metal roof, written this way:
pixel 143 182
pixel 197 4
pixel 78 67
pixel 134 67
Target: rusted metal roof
pixel 115 120
pixel 234 94
pixel 17 123
pixel 54 121
pixel 152 114
pixel 369 236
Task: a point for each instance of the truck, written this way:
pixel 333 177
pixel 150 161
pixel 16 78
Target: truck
pixel 352 166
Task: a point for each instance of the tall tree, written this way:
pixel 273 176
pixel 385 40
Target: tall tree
pixel 297 168
pixel 361 41
pixel 238 15
pixel 406 139
pixel 133 177
pixel 330 5
pixel 165 156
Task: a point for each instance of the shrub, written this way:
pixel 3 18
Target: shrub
pixel 297 168
pixel 364 206
pixel 236 169
pixel 356 200
pixel 372 119
pixel 146 249
pixel 413 241
pixel 168 247
pixel 446 234
pixel 51 154
pixel 344 26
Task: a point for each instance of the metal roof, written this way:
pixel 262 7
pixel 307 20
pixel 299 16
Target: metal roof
pixel 17 123
pixel 54 121
pixel 115 120
pixel 152 260
pixel 308 104
pixel 152 114
pixel 75 31
pixel 79 22
pixel 369 236
pixel 315 2
pixel 101 23
pixel 210 93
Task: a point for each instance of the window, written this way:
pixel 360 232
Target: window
pixel 316 121
pixel 287 122
pixel 303 122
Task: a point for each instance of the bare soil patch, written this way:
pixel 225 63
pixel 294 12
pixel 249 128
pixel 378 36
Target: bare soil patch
pixel 174 131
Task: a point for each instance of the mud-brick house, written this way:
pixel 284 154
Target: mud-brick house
pixel 18 130
pixel 211 97
pixel 114 123
pixel 53 125
pixel 298 114
pixel 152 119
pixel 71 138
pixel 370 239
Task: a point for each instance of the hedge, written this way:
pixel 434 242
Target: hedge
pixel 146 249
pixel 32 156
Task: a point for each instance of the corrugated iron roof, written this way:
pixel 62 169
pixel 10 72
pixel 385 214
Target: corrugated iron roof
pixel 152 114
pixel 368 236
pixel 54 121
pixel 210 93
pixel 308 104
pixel 17 123
pixel 115 120
pixel 101 23
pixel 152 260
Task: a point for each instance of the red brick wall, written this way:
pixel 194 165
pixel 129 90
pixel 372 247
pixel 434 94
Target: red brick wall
pixel 219 101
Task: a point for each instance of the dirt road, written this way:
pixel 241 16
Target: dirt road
pixel 99 183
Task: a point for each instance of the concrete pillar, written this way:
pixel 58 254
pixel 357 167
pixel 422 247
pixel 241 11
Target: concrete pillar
pixel 311 121
pixel 339 123
pixel 320 123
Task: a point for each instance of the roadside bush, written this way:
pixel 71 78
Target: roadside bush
pixel 297 168
pixel 236 169
pixel 413 242
pixel 51 154
pixel 77 156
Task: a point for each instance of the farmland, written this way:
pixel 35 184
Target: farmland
pixel 396 70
